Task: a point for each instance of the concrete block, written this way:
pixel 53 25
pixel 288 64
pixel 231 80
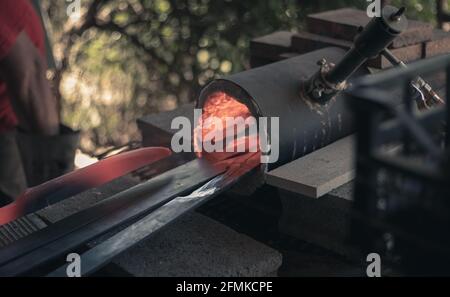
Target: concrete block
pixel 156 128
pixel 199 246
pixel 324 222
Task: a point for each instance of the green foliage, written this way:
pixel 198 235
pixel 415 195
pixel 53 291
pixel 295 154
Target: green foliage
pixel 419 9
pixel 143 56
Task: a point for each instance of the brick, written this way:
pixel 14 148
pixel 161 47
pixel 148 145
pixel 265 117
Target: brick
pixel 305 42
pixel 344 24
pixel 271 46
pixel 407 54
pixel 439 44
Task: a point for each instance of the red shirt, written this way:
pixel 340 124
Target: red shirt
pixel 16 16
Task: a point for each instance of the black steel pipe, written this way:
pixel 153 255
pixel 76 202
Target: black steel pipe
pixel 331 78
pixel 375 37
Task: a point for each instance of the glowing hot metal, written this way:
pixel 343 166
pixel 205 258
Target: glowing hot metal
pixel 80 180
pixel 218 125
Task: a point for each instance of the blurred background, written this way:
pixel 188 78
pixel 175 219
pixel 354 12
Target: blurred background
pixel 117 60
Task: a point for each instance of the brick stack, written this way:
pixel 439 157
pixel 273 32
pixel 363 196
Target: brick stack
pixel 338 28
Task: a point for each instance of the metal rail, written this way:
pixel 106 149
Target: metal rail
pixel 401 207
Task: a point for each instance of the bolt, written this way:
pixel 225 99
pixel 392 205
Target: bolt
pixel 397 16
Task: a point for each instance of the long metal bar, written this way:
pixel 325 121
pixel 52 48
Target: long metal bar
pixel 430 120
pixel 91 214
pixel 182 180
pixel 394 76
pixel 101 254
pixel 79 181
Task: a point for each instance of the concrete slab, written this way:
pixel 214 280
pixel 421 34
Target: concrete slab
pixel 199 246
pixel 318 173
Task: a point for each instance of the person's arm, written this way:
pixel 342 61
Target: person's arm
pixel 24 71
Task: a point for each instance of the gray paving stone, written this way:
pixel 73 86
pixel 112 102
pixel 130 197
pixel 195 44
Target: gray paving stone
pixel 199 246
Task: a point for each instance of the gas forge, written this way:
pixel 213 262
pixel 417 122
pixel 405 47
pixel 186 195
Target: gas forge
pixel 303 93
pixel 258 119
pixel 301 97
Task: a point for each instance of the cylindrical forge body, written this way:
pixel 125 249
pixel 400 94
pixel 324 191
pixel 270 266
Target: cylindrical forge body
pixel 273 91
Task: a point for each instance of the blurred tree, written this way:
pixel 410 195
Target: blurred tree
pixel 125 58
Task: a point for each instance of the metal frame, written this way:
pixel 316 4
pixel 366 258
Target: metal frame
pixel 401 206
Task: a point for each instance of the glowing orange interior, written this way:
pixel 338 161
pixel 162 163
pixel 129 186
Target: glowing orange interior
pixel 222 106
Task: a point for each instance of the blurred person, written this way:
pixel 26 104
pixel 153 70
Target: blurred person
pixel 26 100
